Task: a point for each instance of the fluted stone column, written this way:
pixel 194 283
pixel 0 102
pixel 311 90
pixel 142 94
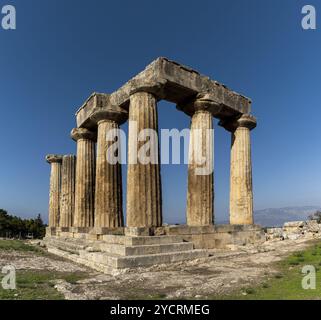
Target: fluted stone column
pixel 67 198
pixel 200 194
pixel 108 191
pixel 241 190
pixel 85 178
pixel 55 189
pixel 144 201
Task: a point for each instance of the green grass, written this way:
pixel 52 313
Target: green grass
pixel 35 284
pixel 38 285
pixel 18 245
pixel 21 246
pixel 286 284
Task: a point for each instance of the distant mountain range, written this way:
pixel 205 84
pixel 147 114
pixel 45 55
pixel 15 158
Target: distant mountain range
pixel 275 217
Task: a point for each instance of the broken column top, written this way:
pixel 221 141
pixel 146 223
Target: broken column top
pixel 52 158
pixel 167 80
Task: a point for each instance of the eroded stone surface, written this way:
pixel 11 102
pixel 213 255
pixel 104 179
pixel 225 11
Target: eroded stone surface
pixel 144 200
pixel 85 177
pixel 108 190
pixel 241 188
pixel 171 81
pixel 200 195
pixel 295 230
pixel 55 188
pixel 67 198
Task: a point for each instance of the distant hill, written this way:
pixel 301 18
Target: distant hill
pixel 275 217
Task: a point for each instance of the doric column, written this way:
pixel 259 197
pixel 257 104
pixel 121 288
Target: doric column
pixel 67 198
pixel 200 192
pixel 108 191
pixel 144 201
pixel 241 191
pixel 85 177
pixel 55 187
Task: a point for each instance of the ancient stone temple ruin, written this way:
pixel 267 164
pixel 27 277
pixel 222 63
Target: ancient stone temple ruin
pixel 86 218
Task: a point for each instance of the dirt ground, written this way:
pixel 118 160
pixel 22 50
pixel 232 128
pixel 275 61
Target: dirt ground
pixel 222 273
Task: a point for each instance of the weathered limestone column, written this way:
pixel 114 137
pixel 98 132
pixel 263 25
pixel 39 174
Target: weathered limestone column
pixel 108 191
pixel 67 199
pixel 241 190
pixel 200 193
pixel 85 177
pixel 144 200
pixel 55 187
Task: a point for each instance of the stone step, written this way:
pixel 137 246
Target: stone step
pixel 145 249
pixel 76 258
pixel 103 258
pixel 141 240
pixel 121 262
pixel 114 239
pixel 70 245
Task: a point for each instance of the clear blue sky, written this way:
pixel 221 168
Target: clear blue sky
pixel 64 50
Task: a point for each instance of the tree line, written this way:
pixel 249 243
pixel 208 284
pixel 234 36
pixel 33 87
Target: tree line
pixel 16 227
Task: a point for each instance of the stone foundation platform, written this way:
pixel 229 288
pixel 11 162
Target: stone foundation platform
pixel 111 250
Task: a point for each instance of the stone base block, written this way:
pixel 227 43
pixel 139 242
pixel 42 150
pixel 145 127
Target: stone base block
pixel 103 231
pixel 98 233
pixel 138 231
pixel 60 231
pixel 137 248
pixel 80 235
pixel 80 229
pixel 66 234
pixel 184 229
pixel 63 229
pixel 218 236
pixel 50 231
pixel 122 252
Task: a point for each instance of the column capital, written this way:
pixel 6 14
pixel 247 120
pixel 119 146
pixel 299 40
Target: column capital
pixel 119 116
pixel 142 92
pixel 82 133
pixel 245 121
pixel 54 158
pixel 202 102
pixel 153 87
